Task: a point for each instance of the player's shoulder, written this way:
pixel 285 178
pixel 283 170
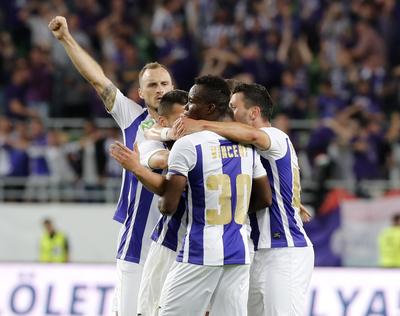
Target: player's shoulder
pixel 199 137
pixel 122 99
pixel 274 132
pixel 191 141
pixel 147 123
pixel 185 141
pixel 276 135
pixel 279 142
pixel 126 111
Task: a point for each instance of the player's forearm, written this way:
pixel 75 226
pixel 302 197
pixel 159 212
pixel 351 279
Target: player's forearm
pixel 167 206
pixel 87 67
pixel 160 133
pixel 174 186
pixel 256 205
pixel 153 182
pixel 261 195
pixel 169 201
pixel 238 132
pixel 159 160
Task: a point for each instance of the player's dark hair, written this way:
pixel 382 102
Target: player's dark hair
pixel 232 83
pixel 256 95
pixel 396 219
pixel 47 221
pixel 169 99
pixel 217 91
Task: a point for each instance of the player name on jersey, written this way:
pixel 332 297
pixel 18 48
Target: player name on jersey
pixel 228 151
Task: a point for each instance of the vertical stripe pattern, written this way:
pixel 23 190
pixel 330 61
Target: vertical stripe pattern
pixel 234 249
pixel 281 225
pixel 167 232
pixel 196 184
pixel 128 180
pixel 216 234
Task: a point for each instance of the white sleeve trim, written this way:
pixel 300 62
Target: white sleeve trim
pixel 147 149
pixel 182 158
pixel 145 160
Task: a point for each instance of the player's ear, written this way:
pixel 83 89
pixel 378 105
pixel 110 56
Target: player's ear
pixel 254 112
pixel 211 108
pixel 162 120
pixel 140 93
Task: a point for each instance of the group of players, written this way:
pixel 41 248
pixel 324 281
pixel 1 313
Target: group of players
pixel 230 239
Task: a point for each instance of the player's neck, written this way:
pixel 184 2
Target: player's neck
pixel 260 123
pixel 226 118
pixel 216 117
pixel 153 113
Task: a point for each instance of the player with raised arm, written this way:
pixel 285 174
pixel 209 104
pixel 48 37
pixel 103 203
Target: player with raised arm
pixel 167 234
pixel 284 259
pixel 136 206
pixel 224 180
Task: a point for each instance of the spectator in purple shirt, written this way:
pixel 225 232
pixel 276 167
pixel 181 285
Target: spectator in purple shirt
pixel 178 55
pixel 15 96
pixel 368 145
pixel 16 146
pixel 40 82
pixel 38 163
pixel 365 99
pixel 328 102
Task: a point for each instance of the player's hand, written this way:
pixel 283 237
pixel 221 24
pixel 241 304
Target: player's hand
pixel 128 159
pixel 153 133
pixel 58 26
pixel 185 126
pixel 305 215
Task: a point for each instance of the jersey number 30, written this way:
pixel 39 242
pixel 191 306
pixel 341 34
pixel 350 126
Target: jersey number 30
pixel 222 183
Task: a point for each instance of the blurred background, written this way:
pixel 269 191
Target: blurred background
pixel 332 67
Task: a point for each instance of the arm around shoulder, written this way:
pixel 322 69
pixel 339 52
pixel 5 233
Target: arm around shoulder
pixel 239 132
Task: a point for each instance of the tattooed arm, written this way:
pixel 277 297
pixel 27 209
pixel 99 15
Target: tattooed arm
pixel 108 95
pixel 85 64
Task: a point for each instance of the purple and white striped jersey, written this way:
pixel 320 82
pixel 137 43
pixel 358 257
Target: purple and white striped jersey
pixel 137 207
pixel 219 174
pixel 281 225
pixel 169 230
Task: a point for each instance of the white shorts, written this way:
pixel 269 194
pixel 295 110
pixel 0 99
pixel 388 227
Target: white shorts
pixel 279 281
pixel 251 249
pixel 127 288
pixel 190 289
pixel 155 270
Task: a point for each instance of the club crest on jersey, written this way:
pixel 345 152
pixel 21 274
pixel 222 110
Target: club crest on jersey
pixel 147 124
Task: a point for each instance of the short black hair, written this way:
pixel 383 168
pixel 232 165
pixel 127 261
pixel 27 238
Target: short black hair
pixel 396 219
pixel 218 92
pixel 47 221
pixel 232 83
pixel 256 95
pixel 169 99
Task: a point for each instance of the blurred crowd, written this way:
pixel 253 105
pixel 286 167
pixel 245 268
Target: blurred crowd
pixel 335 64
pixel 37 161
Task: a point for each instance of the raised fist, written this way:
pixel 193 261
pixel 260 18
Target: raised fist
pixel 58 26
